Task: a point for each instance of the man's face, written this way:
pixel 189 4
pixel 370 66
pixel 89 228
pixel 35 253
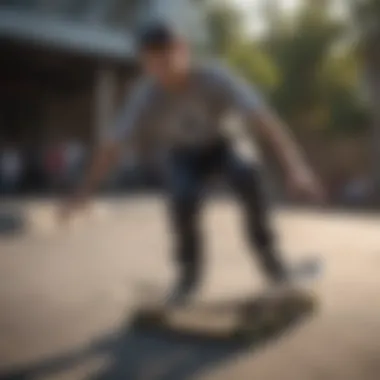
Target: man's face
pixel 167 65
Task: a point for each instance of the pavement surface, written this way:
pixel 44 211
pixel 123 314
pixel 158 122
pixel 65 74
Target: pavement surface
pixel 67 295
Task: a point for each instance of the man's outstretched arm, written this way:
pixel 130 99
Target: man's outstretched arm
pixel 108 152
pixel 274 131
pixel 301 179
pixel 104 158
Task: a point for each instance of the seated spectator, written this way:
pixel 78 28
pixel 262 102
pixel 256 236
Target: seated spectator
pixel 11 169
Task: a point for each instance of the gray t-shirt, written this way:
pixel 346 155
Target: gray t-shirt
pixel 192 117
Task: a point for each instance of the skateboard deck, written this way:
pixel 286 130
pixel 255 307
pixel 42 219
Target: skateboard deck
pixel 245 319
pixel 242 319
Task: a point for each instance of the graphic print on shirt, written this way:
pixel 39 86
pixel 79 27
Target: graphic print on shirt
pixel 189 124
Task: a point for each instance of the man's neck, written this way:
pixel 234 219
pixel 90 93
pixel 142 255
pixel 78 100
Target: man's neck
pixel 179 82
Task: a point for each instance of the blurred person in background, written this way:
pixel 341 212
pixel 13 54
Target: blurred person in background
pixel 55 165
pixel 356 190
pixel 73 152
pixel 35 176
pixel 11 168
pixel 183 102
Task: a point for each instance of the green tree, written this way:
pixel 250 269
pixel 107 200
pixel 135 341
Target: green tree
pixel 246 56
pixel 307 63
pixel 300 50
pixel 341 83
pixel 366 14
pixel 224 28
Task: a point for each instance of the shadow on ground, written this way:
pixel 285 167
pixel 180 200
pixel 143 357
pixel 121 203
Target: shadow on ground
pixel 156 355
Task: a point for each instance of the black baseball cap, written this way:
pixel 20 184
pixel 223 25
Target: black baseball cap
pixel 156 36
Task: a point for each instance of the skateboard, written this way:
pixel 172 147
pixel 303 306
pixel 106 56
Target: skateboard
pixel 243 319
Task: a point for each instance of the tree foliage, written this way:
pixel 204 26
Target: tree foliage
pixel 245 55
pixel 306 65
pixel 366 13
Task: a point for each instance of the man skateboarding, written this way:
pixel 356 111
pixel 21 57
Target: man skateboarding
pixel 183 104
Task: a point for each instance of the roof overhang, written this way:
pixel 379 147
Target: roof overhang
pixel 88 39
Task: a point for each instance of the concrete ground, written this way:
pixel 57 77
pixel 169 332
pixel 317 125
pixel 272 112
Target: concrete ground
pixel 67 293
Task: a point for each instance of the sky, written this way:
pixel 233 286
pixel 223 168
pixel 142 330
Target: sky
pixel 286 4
pixel 253 8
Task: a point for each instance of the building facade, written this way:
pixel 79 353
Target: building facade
pixel 66 64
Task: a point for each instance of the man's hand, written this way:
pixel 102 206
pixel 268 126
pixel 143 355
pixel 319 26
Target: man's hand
pixel 302 184
pixel 301 181
pixel 73 204
pixel 103 159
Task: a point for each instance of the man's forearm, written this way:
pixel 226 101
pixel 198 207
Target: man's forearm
pixel 103 159
pixel 280 139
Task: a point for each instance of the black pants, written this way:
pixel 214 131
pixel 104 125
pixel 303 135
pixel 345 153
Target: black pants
pixel 190 170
